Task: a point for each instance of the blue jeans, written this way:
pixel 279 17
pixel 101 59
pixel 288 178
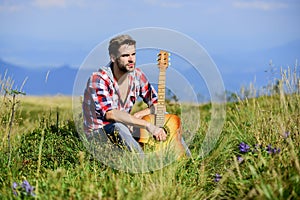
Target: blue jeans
pixel 120 135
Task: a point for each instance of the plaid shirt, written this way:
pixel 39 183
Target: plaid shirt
pixel 102 94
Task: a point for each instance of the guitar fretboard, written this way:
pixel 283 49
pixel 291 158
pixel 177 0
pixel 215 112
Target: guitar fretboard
pixel 160 115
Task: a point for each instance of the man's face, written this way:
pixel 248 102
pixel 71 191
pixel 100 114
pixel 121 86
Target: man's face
pixel 126 58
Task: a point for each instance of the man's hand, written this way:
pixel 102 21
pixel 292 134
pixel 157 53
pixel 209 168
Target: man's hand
pixel 158 132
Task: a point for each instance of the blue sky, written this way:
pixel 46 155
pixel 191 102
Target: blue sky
pixel 38 33
pixel 241 36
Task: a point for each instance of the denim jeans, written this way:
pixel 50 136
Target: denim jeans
pixel 120 135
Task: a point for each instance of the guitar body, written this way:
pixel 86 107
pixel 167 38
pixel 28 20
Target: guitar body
pixel 171 123
pixel 172 127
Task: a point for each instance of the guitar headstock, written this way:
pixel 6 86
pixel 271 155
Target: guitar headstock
pixel 163 59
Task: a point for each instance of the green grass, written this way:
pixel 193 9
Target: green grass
pixel 47 152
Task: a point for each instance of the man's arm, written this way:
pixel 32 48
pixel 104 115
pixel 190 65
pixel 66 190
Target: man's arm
pixel 124 117
pixel 147 111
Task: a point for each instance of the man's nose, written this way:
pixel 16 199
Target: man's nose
pixel 131 58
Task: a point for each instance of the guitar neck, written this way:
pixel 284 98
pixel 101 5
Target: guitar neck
pixel 160 115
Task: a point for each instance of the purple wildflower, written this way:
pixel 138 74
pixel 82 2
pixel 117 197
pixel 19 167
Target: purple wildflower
pixel 23 188
pixel 244 148
pixel 15 192
pixel 240 159
pixel 14 187
pixel 217 177
pixel 269 149
pixel 276 150
pixel 28 188
pixel 286 135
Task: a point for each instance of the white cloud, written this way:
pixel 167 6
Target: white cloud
pixel 260 5
pixel 11 6
pixel 166 4
pixel 17 5
pixel 61 3
pixel 49 3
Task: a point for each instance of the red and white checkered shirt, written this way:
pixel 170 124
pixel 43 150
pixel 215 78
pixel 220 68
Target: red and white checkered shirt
pixel 102 94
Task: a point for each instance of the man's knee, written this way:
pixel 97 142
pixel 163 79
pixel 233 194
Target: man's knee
pixel 119 127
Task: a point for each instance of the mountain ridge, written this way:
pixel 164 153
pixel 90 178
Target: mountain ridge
pixel 236 69
pixel 44 81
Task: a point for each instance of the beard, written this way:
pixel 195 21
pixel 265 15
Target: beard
pixel 124 67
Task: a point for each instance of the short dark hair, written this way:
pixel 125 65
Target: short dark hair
pixel 116 42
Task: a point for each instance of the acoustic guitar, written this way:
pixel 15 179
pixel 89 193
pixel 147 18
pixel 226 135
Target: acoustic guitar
pixel 169 122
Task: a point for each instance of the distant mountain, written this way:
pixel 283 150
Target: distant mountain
pixel 42 81
pixel 237 69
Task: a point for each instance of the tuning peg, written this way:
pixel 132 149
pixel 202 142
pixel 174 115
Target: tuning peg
pixel 169 63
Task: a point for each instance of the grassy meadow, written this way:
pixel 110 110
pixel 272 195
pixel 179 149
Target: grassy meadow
pixel 256 157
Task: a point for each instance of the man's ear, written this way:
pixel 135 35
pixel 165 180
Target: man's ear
pixel 112 58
